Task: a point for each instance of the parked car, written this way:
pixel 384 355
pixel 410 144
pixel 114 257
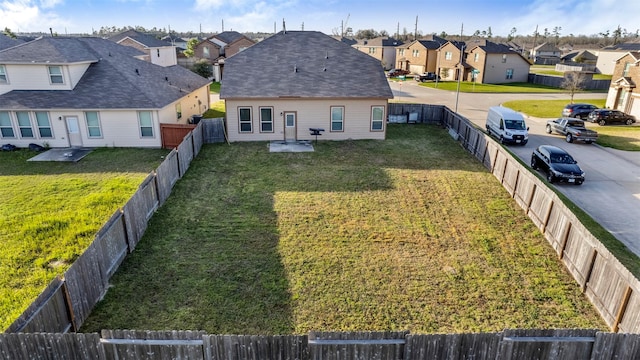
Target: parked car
pixel 396 72
pixel 578 110
pixel 507 125
pixel 428 76
pixel 606 116
pixel 557 164
pixel 572 129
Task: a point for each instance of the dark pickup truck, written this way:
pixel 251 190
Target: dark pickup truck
pixel 428 76
pixel 572 129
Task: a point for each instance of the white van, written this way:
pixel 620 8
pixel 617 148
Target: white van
pixel 507 125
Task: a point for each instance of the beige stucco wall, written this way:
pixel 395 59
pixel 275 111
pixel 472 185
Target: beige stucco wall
pixel 163 56
pixel 310 114
pixel 607 61
pixel 195 103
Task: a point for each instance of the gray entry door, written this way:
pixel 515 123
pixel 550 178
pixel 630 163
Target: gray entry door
pixel 290 126
pixel 73 131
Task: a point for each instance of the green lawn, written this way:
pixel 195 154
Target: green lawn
pixel 409 233
pixel 547 108
pixel 214 87
pixel 216 110
pixel 466 86
pixel 51 211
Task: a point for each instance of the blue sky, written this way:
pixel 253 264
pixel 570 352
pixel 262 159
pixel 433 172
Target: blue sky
pixel 578 17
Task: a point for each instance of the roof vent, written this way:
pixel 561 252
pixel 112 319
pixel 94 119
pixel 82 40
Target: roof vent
pixel 166 78
pixel 327 55
pixel 137 71
pixel 295 68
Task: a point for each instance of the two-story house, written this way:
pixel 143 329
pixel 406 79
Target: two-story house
pixel 91 92
pixel 623 93
pixel 156 51
pixel 419 56
pixel 450 61
pixel 608 56
pixel 546 54
pixel 491 63
pixel 215 49
pixel 382 48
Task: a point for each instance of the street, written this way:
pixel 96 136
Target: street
pixel 611 191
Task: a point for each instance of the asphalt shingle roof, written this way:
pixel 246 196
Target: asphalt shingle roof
pixel 114 80
pixel 7 42
pixel 144 39
pixel 306 64
pixel 228 36
pixel 48 50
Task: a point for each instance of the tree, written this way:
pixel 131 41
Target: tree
pixel 573 82
pixel 512 34
pixel 617 34
pixel 556 33
pixel 202 68
pixel 191 44
pixel 9 33
pixel 366 34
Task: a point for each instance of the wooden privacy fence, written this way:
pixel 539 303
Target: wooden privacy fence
pixel 612 289
pixel 556 81
pixel 66 303
pixel 194 345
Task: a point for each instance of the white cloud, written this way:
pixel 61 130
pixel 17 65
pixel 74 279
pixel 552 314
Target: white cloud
pixel 28 16
pixel 208 4
pixel 49 4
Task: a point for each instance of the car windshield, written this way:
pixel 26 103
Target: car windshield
pixel 514 124
pixel 562 159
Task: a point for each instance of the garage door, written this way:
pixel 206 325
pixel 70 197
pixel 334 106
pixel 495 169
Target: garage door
pixel 416 69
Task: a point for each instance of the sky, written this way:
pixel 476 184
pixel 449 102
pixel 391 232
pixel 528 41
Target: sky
pixel 577 17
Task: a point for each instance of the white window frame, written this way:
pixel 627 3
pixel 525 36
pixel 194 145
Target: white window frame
pixel 142 126
pixel 504 58
pixel 375 120
pixel 179 111
pixel 401 52
pixel 41 127
pixel 89 126
pixel 625 71
pixel 7 126
pixel 23 127
pixel 205 52
pixel 448 55
pixel 416 53
pixel 245 121
pixel 3 75
pixel 372 50
pixel 52 75
pixel 476 57
pixel 263 121
pixel 336 120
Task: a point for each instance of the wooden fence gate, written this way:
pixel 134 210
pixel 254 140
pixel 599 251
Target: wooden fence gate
pixel 173 134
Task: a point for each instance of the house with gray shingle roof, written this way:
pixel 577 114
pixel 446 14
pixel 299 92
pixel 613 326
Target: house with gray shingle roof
pixel 92 92
pixel 623 92
pixel 155 50
pixel 292 81
pixel 609 55
pixel 382 48
pixel 494 63
pixel 419 56
pixel 7 42
pixel 216 48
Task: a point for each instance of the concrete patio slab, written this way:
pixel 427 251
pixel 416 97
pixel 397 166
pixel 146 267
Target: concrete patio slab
pixel 66 154
pixel 298 146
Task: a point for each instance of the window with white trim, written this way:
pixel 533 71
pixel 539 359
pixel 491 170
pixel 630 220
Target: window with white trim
pixel 372 50
pixel 179 110
pixel 504 58
pixel 416 53
pixel 337 118
pixel 24 124
pixel 377 118
pixel 93 124
pixel 244 120
pixel 44 125
pixel 476 57
pixel 205 52
pixel 3 75
pixel 266 119
pixel 509 74
pixel 145 120
pixel 401 52
pixel 448 55
pixel 55 75
pixel 625 72
pixel 6 128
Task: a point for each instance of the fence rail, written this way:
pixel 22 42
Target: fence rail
pixel 556 81
pixel 66 302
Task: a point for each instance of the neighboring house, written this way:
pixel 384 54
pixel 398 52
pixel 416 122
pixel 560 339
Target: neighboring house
pixel 419 56
pixel 546 54
pixel 624 94
pixel 215 49
pixel 609 55
pixel 156 51
pixel 296 80
pixel 91 92
pixel 347 40
pixel 450 60
pixel 382 48
pixel 581 57
pixel 491 63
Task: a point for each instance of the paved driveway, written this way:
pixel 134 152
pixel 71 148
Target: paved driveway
pixel 611 192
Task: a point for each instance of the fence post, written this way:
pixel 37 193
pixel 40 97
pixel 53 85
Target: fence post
pixel 623 308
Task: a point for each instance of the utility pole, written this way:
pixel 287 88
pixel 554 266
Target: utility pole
pixel 460 68
pixel 398 31
pixel 415 36
pixel 303 26
pixel 222 25
pixel 535 40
